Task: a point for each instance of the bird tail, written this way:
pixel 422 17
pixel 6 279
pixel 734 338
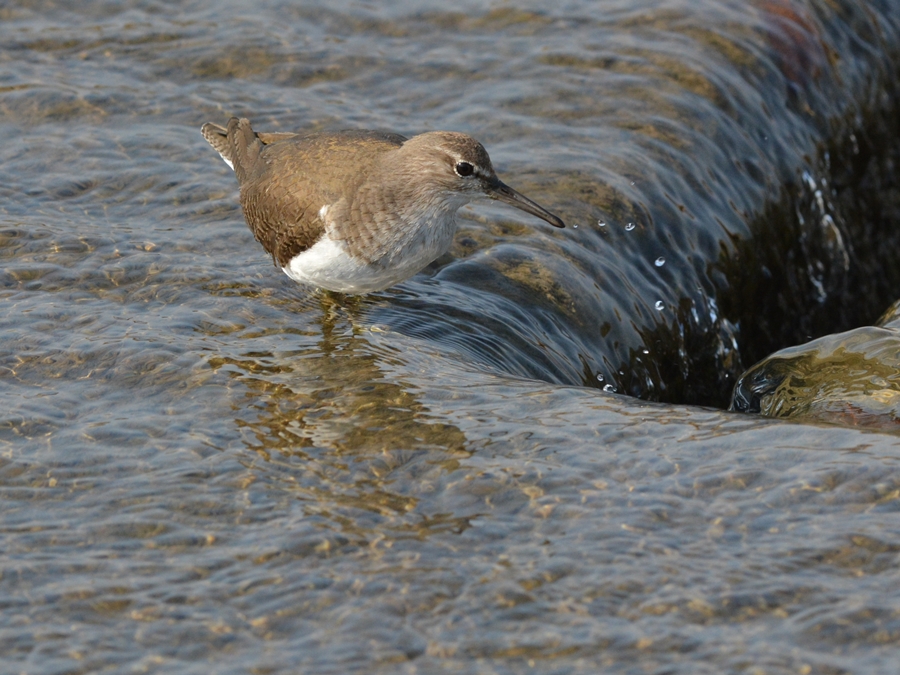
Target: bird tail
pixel 238 144
pixel 217 137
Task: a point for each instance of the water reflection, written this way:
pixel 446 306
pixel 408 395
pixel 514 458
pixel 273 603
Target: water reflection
pixel 336 432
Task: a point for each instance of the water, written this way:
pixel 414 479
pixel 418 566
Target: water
pixel 206 468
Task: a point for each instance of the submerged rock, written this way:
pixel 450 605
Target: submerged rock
pixel 850 378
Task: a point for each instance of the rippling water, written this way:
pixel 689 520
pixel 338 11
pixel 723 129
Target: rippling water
pixel 206 468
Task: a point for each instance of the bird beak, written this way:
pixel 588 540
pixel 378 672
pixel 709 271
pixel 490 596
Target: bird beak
pixel 497 189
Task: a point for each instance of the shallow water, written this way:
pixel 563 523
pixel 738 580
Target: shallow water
pixel 206 468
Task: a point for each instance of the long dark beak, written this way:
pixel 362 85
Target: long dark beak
pixel 497 189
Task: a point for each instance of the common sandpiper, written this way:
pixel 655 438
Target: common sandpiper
pixel 358 211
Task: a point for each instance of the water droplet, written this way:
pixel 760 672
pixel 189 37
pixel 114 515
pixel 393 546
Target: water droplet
pixel 632 182
pixel 574 227
pixel 600 377
pixel 629 227
pixel 609 387
pixel 646 351
pixel 660 305
pixel 660 261
pixel 600 223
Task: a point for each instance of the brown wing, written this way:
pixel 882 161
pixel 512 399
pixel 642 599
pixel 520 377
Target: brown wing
pixel 286 179
pixel 285 190
pixel 269 137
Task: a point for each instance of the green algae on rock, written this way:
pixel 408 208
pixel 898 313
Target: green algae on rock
pixel 850 378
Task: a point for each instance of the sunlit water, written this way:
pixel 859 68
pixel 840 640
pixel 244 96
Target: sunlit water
pixel 206 468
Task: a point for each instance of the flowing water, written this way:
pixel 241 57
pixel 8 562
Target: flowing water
pixel 205 468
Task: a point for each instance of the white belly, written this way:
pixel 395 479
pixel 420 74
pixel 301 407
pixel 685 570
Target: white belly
pixel 408 246
pixel 328 265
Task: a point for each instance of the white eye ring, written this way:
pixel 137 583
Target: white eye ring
pixel 464 169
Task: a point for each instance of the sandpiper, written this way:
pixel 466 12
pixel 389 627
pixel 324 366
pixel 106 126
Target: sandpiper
pixel 358 211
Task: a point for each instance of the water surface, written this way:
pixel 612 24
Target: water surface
pixel 206 468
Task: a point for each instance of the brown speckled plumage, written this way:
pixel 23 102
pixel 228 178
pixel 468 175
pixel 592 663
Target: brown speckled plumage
pixel 285 180
pixel 356 211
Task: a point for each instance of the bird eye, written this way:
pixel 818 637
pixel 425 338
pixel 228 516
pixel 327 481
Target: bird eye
pixel 464 169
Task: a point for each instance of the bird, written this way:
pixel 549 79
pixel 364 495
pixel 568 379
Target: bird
pixel 358 211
